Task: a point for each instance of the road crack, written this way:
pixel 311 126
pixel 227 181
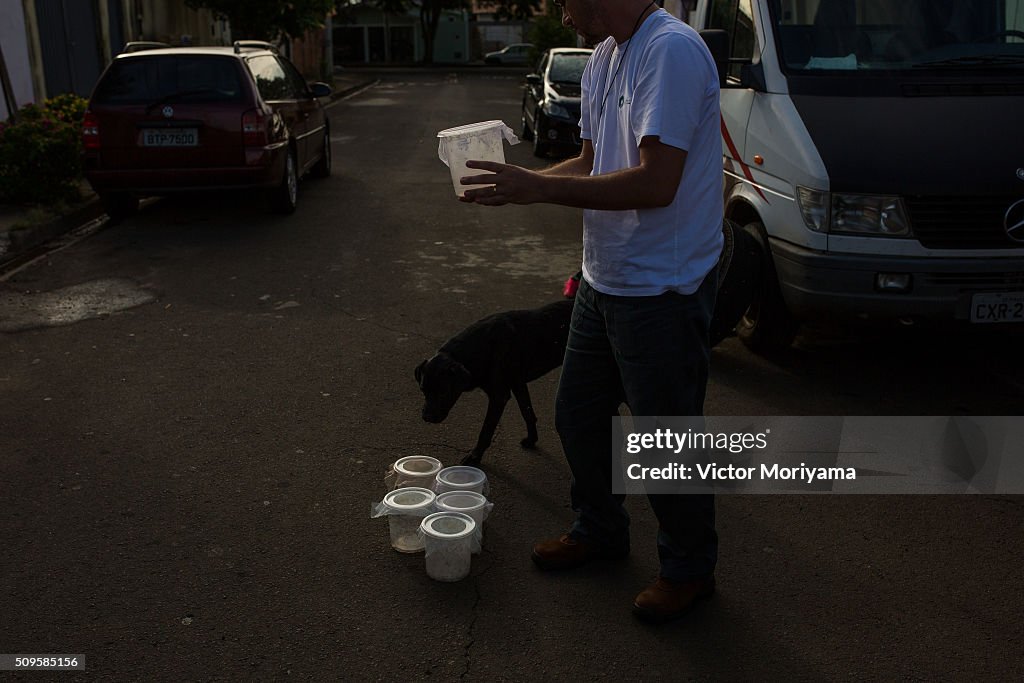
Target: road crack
pixel 471 639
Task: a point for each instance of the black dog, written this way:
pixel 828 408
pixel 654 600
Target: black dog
pixel 499 354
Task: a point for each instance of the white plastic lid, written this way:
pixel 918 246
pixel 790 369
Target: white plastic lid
pixel 461 477
pixel 469 128
pixel 418 465
pixel 460 501
pixel 448 525
pixel 410 498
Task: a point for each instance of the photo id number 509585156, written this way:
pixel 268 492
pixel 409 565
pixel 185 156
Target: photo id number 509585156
pixel 46 662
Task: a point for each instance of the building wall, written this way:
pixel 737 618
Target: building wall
pixel 14 43
pixel 365 40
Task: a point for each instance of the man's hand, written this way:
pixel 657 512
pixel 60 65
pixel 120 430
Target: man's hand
pixel 510 185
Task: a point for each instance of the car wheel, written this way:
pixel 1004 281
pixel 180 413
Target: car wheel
pixel 541 147
pixel 527 133
pixel 119 205
pixel 286 196
pixel 322 168
pixel 767 325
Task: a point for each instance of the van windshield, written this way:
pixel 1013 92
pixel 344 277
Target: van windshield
pixel 847 35
pixel 166 78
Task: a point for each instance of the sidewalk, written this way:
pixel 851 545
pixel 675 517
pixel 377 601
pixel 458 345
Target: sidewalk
pixel 24 228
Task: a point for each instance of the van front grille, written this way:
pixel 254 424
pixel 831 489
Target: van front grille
pixel 961 222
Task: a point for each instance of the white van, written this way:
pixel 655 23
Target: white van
pixel 875 148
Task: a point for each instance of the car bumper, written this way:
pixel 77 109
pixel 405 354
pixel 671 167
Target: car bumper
pixel 816 284
pixel 566 133
pixel 264 168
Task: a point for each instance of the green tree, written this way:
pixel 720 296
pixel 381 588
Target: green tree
pixel 268 19
pixel 548 32
pixel 518 9
pixel 430 17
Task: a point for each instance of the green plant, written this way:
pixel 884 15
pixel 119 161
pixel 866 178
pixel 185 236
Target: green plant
pixel 41 152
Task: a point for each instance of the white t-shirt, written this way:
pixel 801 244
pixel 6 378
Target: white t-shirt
pixel 667 87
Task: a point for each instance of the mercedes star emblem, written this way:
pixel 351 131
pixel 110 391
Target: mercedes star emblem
pixel 168 112
pixel 1014 221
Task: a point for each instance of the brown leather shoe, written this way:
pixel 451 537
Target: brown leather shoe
pixel 568 553
pixel 665 600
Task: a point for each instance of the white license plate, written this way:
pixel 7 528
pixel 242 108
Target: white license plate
pixel 998 308
pixel 170 137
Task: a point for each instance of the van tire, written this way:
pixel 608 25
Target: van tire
pixel 285 196
pixel 119 205
pixel 739 275
pixel 767 324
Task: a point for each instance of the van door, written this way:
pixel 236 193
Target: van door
pixel 735 17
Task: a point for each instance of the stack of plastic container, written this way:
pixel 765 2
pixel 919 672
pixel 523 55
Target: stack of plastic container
pixel 439 511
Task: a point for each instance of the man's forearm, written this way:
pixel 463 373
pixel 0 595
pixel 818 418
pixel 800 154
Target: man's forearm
pixel 629 188
pixel 577 166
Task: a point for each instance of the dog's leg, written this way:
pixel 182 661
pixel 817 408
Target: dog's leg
pixel 495 407
pixel 522 394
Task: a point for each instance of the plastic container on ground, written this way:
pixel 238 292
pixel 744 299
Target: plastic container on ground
pixel 468 503
pixel 450 538
pixel 406 508
pixel 478 141
pixel 413 470
pixel 461 478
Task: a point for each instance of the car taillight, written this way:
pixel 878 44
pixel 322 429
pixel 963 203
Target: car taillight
pixel 254 128
pixel 90 131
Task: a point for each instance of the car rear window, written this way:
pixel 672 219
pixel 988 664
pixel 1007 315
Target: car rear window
pixel 177 78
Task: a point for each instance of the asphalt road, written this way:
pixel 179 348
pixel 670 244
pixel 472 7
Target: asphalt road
pixel 186 474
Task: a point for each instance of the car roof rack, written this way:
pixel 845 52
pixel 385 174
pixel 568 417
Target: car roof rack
pixel 254 44
pixel 140 45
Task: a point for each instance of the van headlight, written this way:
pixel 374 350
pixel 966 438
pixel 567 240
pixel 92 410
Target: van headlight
pixel 860 214
pixel 852 214
pixel 557 111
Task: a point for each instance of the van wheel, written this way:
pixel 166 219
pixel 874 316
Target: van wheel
pixel 322 168
pixel 119 205
pixel 739 274
pixel 767 325
pixel 285 198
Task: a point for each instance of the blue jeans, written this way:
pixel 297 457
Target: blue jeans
pixel 651 353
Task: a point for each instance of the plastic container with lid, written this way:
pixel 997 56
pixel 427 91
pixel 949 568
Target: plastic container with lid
pixel 405 508
pixel 413 470
pixel 461 478
pixel 479 141
pixel 468 503
pixel 450 538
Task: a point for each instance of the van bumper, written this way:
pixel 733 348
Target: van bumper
pixel 818 284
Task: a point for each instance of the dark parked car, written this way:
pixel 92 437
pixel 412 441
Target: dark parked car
pixel 162 120
pixel 551 102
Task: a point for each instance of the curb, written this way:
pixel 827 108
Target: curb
pixel 19 243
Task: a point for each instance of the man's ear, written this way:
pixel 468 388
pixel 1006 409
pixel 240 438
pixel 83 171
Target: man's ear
pixel 418 372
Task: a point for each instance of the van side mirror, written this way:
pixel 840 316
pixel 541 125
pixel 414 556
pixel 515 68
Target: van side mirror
pixel 752 77
pixel 717 41
pixel 533 79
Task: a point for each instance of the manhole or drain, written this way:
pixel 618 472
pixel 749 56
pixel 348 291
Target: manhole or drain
pixel 20 311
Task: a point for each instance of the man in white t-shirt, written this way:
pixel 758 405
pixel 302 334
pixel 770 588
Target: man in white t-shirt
pixel 649 181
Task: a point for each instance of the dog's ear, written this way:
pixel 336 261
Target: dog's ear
pixel 418 372
pixel 462 377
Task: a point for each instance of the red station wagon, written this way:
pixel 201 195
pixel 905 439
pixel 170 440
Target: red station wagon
pixel 164 119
